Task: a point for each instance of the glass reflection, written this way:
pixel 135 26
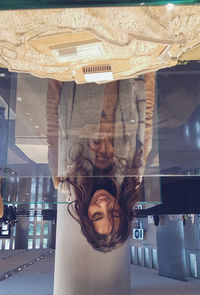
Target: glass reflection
pixel 100 152
pixel 81 154
pixel 102 139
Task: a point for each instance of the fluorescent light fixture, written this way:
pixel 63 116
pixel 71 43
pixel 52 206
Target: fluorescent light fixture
pixel 98 73
pixel 98 77
pixel 78 50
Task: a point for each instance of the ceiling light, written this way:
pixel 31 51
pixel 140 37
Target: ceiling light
pixel 36 126
pixel 19 98
pixel 170 6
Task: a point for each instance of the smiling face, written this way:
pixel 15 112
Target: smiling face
pixel 103 146
pixel 104 212
pixel 103 150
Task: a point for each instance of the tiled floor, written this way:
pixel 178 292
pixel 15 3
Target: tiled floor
pixel 37 279
pixel 147 282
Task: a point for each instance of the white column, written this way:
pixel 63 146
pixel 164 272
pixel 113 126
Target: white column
pixel 80 270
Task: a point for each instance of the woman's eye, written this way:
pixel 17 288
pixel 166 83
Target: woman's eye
pixel 96 217
pixel 96 141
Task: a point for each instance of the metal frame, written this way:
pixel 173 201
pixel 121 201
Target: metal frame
pixel 42 4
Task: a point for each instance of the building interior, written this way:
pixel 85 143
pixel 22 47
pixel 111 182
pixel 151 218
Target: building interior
pixel 100 147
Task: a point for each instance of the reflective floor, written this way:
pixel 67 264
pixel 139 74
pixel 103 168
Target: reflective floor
pixel 100 143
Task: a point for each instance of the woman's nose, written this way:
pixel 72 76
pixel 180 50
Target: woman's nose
pixel 102 147
pixel 103 204
pixel 106 147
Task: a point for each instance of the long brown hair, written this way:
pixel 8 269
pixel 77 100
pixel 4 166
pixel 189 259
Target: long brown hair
pixel 126 194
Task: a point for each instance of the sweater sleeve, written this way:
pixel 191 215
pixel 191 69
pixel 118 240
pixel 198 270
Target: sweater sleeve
pixel 53 97
pixel 150 99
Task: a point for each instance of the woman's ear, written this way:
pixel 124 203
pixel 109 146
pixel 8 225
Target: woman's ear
pixel 1 207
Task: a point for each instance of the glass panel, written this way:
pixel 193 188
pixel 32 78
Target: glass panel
pixel 193 265
pixel 147 257
pixel 154 259
pixel 13 244
pixel 132 254
pixel 46 229
pixel 39 218
pixel 46 206
pixel 45 243
pixel 5 230
pixel 171 149
pixel 38 230
pixel 21 107
pixel 14 230
pixel 175 120
pixel 139 255
pixel 99 107
pixel 30 243
pixel 7 244
pixel 31 218
pixel 5 227
pixel 37 243
pixel 31 229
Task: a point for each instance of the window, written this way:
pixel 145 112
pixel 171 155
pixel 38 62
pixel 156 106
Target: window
pixel 0 244
pixel 45 242
pixel 132 255
pixel 5 230
pixel 30 243
pixel 13 244
pixel 39 206
pixel 46 206
pixel 7 244
pixel 40 190
pixel 32 206
pixel 146 256
pixel 39 217
pixel 38 230
pixel 31 229
pixel 193 265
pixel 31 218
pixel 33 188
pixel 46 229
pixel 48 186
pixel 37 244
pixel 4 226
pixel 154 259
pixel 14 230
pixel 139 254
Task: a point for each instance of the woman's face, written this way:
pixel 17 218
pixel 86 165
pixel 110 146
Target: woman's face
pixel 103 150
pixel 103 147
pixel 104 212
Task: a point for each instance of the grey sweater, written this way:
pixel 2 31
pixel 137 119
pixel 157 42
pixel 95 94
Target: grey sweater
pixel 80 111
